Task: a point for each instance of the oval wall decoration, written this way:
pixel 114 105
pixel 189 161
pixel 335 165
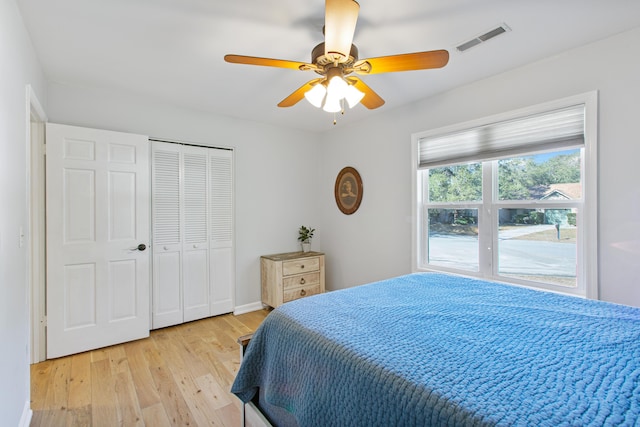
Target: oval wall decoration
pixel 348 190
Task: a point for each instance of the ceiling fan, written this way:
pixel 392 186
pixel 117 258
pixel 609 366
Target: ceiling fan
pixel 337 58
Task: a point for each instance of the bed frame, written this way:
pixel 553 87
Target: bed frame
pixel 251 416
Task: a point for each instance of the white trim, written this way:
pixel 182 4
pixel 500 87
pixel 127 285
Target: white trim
pixel 248 308
pixel 27 413
pixel 34 125
pixel 590 234
pixel 416 201
pixel 195 144
pixel 34 104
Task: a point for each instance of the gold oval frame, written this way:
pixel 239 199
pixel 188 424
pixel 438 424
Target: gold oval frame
pixel 348 190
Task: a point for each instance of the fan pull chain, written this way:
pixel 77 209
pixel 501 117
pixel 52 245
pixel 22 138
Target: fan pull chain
pixel 335 119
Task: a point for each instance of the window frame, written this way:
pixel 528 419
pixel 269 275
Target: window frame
pixel 587 242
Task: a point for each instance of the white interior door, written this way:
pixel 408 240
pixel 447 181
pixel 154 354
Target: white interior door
pixel 97 216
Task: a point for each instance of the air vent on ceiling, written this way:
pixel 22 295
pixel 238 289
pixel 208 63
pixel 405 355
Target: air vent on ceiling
pixel 500 29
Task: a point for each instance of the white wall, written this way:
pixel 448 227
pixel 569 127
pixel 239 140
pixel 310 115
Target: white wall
pixel 375 242
pixel 18 68
pixel 276 173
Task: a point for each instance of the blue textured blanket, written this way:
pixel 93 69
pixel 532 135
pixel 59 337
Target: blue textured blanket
pixel 433 349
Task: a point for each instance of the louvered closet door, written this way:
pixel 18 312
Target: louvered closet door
pixel 167 235
pixel 222 250
pixel 195 249
pixel 192 206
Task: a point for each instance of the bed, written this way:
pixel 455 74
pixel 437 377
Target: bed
pixel 436 349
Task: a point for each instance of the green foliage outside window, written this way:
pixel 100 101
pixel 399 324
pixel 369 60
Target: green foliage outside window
pixel 456 183
pixel 531 218
pixel 520 178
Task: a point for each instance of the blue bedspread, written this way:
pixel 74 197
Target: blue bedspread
pixel 433 349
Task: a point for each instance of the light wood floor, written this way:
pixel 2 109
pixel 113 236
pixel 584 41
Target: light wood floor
pixel 179 376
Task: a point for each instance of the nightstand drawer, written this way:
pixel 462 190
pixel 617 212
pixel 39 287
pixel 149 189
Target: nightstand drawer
pixel 308 279
pixel 300 266
pixel 302 292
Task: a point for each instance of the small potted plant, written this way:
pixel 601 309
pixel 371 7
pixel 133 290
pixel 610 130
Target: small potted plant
pixel 304 236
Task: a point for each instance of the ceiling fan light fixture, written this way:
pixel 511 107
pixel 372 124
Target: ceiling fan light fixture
pixel 337 87
pixel 332 104
pixel 316 95
pixel 353 96
pixel 329 93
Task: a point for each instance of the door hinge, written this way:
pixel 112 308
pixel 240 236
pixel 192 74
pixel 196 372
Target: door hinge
pixel 44 321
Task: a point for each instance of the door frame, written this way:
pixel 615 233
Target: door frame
pixel 35 149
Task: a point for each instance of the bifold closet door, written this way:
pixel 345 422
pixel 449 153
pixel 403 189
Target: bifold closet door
pixel 167 234
pixel 195 247
pixel 192 208
pixel 222 280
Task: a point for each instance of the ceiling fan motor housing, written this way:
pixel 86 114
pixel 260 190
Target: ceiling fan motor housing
pixel 321 60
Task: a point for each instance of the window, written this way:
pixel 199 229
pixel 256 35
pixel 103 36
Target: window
pixel 512 197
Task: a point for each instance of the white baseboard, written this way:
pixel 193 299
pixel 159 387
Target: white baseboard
pixel 247 308
pixel 25 419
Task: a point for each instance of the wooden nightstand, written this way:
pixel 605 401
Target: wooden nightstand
pixel 289 276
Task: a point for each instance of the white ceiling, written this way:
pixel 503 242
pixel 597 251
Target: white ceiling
pixel 172 50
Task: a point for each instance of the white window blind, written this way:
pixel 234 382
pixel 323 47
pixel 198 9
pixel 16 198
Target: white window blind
pixel 539 132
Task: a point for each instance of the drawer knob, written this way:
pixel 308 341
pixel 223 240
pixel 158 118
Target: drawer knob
pixel 302 266
pixel 302 281
pixel 303 292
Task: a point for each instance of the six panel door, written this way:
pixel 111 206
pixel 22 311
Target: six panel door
pixel 97 233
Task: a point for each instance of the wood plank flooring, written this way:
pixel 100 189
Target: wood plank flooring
pixel 179 376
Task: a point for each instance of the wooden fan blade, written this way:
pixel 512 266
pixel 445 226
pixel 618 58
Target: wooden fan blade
pixel 340 18
pixel 296 96
pixel 267 62
pixel 371 99
pixel 403 62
